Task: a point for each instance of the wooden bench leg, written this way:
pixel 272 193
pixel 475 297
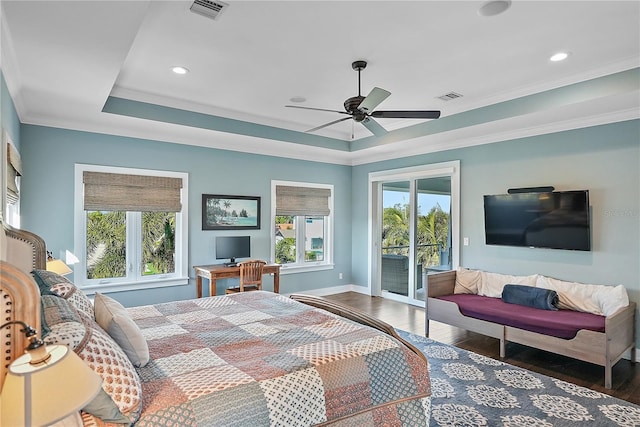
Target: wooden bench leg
pixel 607 375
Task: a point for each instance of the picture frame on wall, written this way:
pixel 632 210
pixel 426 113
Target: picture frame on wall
pixel 226 212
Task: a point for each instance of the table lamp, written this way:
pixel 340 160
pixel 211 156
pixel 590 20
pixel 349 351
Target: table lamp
pixel 46 384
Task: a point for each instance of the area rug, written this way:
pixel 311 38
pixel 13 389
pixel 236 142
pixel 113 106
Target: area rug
pixel 469 389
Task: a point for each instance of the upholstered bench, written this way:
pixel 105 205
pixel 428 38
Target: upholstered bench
pixel 594 323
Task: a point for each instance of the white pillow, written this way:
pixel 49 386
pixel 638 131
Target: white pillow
pixel 115 320
pixel 492 284
pixel 467 281
pixel 597 299
pixel 612 299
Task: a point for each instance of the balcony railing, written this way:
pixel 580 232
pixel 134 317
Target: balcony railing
pixel 428 254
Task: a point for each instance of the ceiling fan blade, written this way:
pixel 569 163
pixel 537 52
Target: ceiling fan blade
pixel 427 114
pixel 375 97
pixel 316 109
pixel 328 124
pixel 375 127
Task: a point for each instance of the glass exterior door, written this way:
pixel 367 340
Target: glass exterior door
pixel 395 247
pixel 415 218
pixel 411 250
pixel 433 229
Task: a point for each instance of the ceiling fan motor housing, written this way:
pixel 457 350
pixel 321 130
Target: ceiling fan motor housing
pixel 351 106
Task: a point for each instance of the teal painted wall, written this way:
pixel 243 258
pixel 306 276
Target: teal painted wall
pixel 604 160
pixel 49 156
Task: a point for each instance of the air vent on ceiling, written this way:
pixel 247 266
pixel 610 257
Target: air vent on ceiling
pixel 449 96
pixel 208 8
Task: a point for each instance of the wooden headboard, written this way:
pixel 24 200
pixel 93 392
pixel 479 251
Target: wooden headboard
pixel 23 249
pixel 20 253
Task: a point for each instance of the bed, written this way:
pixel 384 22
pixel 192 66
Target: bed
pixel 255 358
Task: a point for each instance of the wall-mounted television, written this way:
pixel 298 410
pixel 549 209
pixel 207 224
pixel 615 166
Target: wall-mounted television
pixel 557 220
pixel 232 247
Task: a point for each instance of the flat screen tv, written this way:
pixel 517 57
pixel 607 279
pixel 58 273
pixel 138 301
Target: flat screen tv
pixel 232 247
pixel 557 220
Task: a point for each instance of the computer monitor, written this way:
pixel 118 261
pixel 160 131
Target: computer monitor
pixel 232 247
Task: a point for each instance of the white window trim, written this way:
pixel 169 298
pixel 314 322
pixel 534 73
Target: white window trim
pixel 327 264
pixel 11 212
pixel 180 277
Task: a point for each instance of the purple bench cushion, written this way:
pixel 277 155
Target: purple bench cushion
pixel 562 323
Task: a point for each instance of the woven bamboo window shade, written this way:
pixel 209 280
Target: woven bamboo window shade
pixel 138 193
pixel 306 201
pixel 14 170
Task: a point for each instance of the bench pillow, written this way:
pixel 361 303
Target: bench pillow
pixel 530 296
pixel 467 281
pixel 492 284
pixel 597 299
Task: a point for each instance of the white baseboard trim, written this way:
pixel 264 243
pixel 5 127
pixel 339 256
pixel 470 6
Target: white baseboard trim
pixel 334 290
pixel 627 355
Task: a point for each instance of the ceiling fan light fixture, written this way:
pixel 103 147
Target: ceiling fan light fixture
pixel 494 7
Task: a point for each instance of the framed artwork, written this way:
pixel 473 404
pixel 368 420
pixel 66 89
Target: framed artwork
pixel 223 212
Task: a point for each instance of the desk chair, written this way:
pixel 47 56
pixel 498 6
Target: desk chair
pixel 250 276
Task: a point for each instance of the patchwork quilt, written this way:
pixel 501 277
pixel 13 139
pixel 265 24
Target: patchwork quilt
pixel 262 359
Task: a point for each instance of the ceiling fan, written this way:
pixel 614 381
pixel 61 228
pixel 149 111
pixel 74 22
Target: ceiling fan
pixel 360 108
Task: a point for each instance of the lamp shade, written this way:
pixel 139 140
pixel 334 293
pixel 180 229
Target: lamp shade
pixel 58 266
pixel 49 391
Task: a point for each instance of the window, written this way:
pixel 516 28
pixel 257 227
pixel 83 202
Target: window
pixel 302 218
pixel 130 228
pixel 12 188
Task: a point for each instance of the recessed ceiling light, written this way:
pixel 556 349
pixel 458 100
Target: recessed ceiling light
pixel 298 99
pixel 560 56
pixel 180 70
pixel 494 7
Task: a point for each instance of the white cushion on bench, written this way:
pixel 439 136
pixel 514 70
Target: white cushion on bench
pixel 597 299
pixel 467 281
pixel 492 284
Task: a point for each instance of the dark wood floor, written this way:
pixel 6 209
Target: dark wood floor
pixel 626 375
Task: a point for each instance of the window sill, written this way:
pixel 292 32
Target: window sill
pixel 133 286
pixel 285 269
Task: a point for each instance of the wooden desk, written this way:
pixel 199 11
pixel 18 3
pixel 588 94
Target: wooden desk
pixel 214 272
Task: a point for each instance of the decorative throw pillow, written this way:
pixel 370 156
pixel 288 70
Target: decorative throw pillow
pixel 612 299
pixel 119 378
pixel 115 320
pixel 55 284
pixel 530 296
pixel 492 284
pixel 44 328
pixel 467 281
pixel 597 299
pixel 69 327
pixel 65 325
